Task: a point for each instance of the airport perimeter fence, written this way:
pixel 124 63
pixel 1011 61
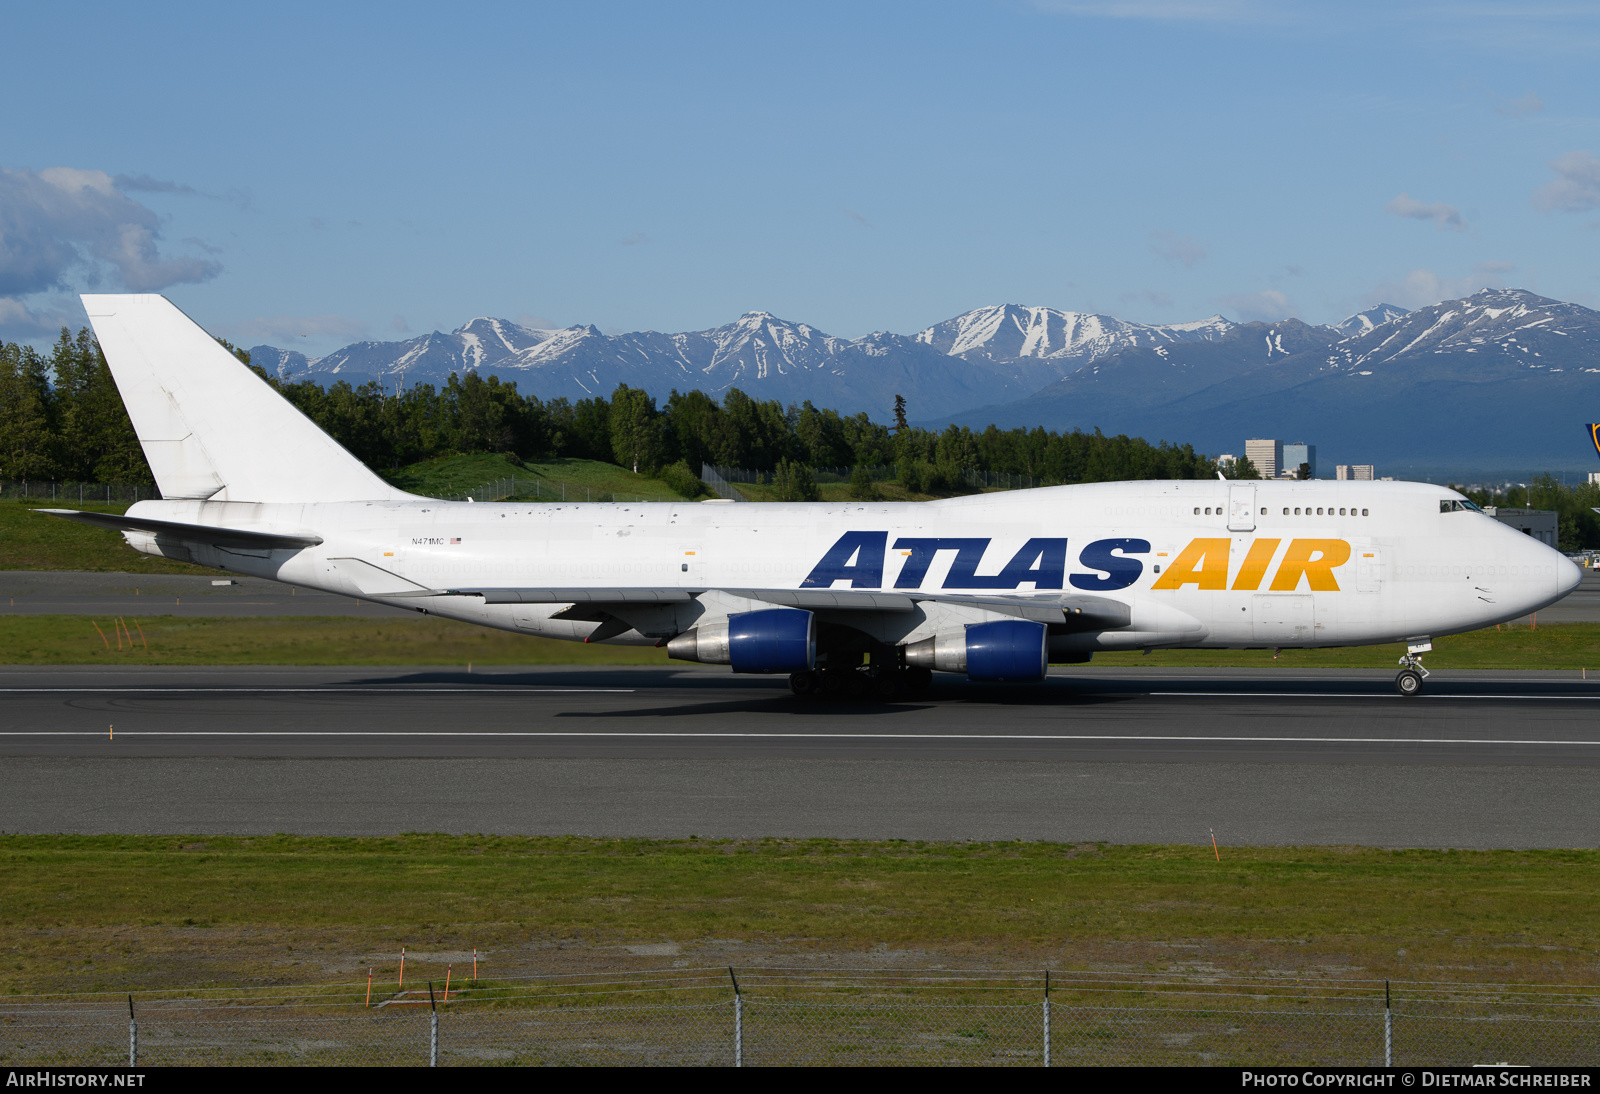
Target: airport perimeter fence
pixel 787 1017
pixel 520 489
pixel 104 493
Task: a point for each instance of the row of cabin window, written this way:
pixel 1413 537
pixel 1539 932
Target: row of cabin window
pixel 1342 512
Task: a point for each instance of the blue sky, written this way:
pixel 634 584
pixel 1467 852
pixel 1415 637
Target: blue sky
pixel 349 171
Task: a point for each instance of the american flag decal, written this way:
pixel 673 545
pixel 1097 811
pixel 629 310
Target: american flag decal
pixel 455 539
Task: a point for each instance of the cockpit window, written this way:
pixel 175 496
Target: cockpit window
pixel 1457 505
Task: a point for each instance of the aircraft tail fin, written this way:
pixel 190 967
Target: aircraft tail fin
pixel 210 427
pixel 1594 435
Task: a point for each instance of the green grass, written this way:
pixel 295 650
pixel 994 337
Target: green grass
pixel 291 640
pixel 583 480
pixel 333 640
pixel 34 541
pixel 1518 646
pixel 106 912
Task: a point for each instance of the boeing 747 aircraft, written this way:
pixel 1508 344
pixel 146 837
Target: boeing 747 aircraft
pixel 852 597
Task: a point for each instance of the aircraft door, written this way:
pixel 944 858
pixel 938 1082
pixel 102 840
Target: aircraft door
pixel 1369 566
pixel 1241 509
pixel 1286 619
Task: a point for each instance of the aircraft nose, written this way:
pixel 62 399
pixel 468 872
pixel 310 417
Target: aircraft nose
pixel 1568 576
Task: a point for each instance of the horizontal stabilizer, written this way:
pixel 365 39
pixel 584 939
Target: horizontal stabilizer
pixel 194 533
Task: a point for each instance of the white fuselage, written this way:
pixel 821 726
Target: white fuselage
pixel 1195 562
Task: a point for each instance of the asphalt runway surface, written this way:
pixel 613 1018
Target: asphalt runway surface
pixel 1125 756
pixel 38 592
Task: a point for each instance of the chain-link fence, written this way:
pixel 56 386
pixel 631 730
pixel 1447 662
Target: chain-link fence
pixel 786 1017
pixel 103 493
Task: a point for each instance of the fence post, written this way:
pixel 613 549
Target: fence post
pixel 433 1029
pixel 1388 1028
pixel 133 1036
pixel 1046 1017
pixel 738 1021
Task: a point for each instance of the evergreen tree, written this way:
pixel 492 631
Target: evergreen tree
pixel 27 436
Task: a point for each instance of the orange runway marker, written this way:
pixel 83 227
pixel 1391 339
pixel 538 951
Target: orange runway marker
pixel 369 987
pixel 141 635
pixel 100 632
pixel 402 966
pixel 447 983
pixel 1214 850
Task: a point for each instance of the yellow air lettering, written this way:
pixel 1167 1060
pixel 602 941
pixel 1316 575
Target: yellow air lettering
pixel 1255 565
pixel 1204 563
pixel 1318 571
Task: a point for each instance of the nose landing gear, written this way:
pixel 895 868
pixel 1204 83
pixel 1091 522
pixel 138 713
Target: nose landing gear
pixel 1408 681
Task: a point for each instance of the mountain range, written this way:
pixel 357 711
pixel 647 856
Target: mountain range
pixel 1498 380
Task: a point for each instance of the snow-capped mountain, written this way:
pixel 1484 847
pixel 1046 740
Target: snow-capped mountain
pixel 1486 379
pixel 768 357
pixel 1006 332
pixel 1508 323
pixel 1363 321
pixel 1498 379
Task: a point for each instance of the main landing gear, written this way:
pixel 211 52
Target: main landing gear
pixel 1408 681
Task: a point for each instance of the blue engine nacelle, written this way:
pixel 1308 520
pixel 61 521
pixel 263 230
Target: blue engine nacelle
pixel 766 641
pixel 1005 650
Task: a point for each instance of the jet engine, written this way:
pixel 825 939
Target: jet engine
pixel 770 640
pixel 1008 649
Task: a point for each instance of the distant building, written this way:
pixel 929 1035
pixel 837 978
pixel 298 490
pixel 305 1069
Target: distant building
pixel 1542 524
pixel 1227 459
pixel 1594 476
pixel 1266 455
pixel 1358 472
pixel 1296 454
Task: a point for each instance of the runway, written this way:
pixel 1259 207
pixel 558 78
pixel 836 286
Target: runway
pixel 41 592
pixel 1330 756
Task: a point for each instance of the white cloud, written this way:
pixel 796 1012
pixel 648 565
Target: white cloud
pixel 294 327
pixel 63 221
pixel 1176 248
pixel 1577 189
pixel 1266 306
pixel 1446 216
pixel 634 239
pixel 1419 288
pixel 1521 107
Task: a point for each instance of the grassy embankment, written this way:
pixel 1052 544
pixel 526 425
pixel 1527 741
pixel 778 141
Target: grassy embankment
pixel 289 640
pixel 110 912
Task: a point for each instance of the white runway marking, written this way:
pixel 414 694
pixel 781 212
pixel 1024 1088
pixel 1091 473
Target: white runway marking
pixel 1347 695
pixel 318 691
pixel 666 734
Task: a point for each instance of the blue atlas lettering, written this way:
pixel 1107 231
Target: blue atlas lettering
pixel 1118 573
pixel 857 558
pixel 1041 561
pixel 968 554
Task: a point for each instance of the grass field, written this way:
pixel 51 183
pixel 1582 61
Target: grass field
pixel 333 640
pixel 80 913
pixel 581 480
pixel 34 541
pixel 292 640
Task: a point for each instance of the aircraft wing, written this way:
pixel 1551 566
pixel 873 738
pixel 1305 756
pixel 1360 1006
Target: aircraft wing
pixel 1082 610
pixel 198 533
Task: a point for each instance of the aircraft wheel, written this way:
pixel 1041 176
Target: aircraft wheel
pixel 856 685
pixel 887 685
pixel 804 684
pixel 1408 682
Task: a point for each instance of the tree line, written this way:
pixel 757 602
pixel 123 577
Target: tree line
pixel 61 418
